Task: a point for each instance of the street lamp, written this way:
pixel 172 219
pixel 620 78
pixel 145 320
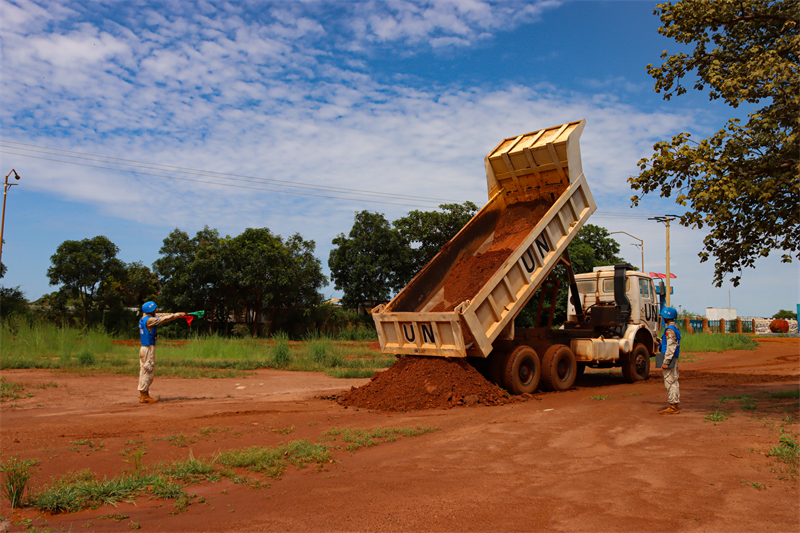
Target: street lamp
pixel 640 245
pixel 666 219
pixel 6 185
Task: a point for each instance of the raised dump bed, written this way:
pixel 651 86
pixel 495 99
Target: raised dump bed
pixel 469 294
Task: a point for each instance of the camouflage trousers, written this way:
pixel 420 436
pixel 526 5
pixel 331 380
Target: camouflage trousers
pixel 147 367
pixel 671 384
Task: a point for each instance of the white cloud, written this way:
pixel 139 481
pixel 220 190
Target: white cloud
pixel 277 93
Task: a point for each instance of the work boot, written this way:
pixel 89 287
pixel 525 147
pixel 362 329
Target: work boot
pixel 671 410
pixel 144 397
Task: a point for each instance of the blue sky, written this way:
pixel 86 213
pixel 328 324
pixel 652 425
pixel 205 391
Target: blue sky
pixel 402 99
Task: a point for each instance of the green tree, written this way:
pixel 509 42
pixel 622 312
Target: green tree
pixel 742 182
pixel 270 273
pixel 192 274
pixel 12 302
pixel 783 313
pixel 82 266
pixel 370 263
pixel 426 232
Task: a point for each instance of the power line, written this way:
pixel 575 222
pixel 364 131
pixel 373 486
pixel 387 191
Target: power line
pixel 217 183
pixel 246 179
pixel 199 172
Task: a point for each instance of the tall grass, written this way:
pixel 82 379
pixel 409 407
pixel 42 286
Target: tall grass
pixel 43 345
pixel 704 342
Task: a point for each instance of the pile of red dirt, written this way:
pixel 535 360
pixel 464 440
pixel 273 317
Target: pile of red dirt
pixel 471 273
pixel 416 383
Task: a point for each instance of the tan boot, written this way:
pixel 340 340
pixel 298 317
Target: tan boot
pixel 671 410
pixel 144 397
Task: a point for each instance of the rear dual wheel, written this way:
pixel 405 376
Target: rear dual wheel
pixel 559 368
pixel 522 371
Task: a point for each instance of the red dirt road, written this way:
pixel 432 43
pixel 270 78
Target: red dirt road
pixel 559 462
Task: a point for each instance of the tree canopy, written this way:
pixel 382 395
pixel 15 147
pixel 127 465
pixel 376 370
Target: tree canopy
pixel 742 182
pixel 82 266
pixel 368 263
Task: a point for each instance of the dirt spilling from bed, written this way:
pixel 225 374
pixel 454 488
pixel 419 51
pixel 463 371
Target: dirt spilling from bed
pixel 416 383
pixel 470 274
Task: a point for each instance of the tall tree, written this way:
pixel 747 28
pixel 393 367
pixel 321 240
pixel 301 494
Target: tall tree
pixel 192 274
pixel 269 274
pixel 425 232
pixel 81 266
pixel 370 263
pixel 742 182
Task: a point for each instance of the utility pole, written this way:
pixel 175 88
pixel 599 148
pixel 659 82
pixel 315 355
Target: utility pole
pixel 666 220
pixel 640 245
pixel 6 185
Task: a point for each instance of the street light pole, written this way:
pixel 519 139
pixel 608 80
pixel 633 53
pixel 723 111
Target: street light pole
pixel 640 245
pixel 6 185
pixel 666 220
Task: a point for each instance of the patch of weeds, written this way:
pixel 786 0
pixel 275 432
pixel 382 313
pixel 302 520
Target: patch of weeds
pixel 747 402
pixel 180 440
pixel 598 397
pixel 785 394
pixel 17 473
pixel 282 431
pixel 191 470
pixel 114 517
pixel 351 372
pixel 206 431
pixel 134 525
pixel 757 486
pixel 787 451
pixel 716 416
pixel 86 358
pixel 281 356
pixel 272 461
pixel 133 442
pixel 633 394
pixel 10 390
pixel 358 438
pixel 75 492
pixel 313 423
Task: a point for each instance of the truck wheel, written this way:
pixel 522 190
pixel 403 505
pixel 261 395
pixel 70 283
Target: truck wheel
pixel 495 367
pixel 522 371
pixel 559 368
pixel 637 366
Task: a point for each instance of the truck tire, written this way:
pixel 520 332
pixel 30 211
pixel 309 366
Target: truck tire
pixel 636 367
pixel 495 367
pixel 559 368
pixel 522 371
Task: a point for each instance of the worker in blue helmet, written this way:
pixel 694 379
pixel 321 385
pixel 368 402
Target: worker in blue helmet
pixel 147 353
pixel 671 344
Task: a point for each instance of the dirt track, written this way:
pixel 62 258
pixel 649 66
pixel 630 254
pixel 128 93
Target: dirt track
pixel 560 462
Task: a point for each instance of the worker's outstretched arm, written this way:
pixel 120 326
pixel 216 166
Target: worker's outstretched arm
pixel 163 318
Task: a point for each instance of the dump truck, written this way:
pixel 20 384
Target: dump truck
pixel 463 303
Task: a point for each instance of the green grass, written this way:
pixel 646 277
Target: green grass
pixel 785 394
pixel 787 451
pixel 272 461
pixel 717 416
pixel 44 345
pixel 359 438
pixel 704 342
pixel 80 490
pixel 598 397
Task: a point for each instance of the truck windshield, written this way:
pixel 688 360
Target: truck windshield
pixel 644 288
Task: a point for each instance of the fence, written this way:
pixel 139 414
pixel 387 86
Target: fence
pixel 698 325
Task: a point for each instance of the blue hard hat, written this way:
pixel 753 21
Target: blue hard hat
pixel 149 307
pixel 669 313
